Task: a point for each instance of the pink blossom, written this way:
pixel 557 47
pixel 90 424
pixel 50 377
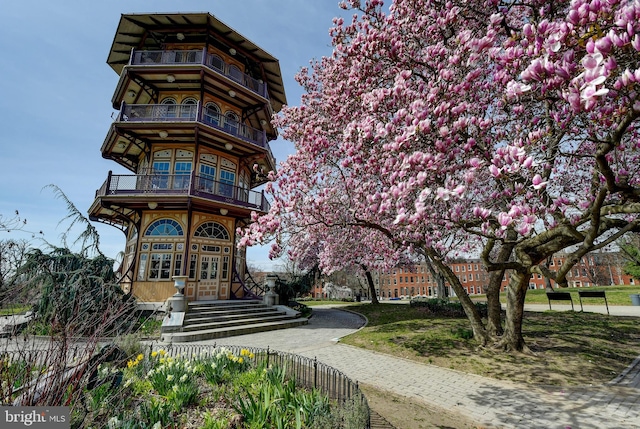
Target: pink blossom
pixel 481 212
pixel 524 228
pixel 516 89
pixel 504 220
pixel 538 183
pixel 592 61
pixel 442 194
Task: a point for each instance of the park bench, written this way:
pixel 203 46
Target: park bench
pixel 559 296
pixel 593 294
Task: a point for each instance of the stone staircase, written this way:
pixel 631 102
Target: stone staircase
pixel 205 320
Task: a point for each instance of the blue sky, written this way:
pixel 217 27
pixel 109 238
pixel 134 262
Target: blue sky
pixel 57 89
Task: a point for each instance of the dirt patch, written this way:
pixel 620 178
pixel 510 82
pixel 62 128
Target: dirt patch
pixel 406 413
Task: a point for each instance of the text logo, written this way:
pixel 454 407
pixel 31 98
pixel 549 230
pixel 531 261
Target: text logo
pixel 34 417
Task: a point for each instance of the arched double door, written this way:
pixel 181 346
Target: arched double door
pixel 211 250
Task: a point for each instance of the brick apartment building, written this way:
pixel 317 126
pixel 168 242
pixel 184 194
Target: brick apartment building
pixel 598 269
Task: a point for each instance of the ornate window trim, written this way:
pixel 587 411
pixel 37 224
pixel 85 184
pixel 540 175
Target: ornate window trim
pixel 164 228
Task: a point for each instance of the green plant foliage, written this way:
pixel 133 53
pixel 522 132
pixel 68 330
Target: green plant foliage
pixel 632 253
pixel 279 403
pixel 304 310
pixel 173 379
pixel 215 422
pixel 74 289
pixel 13 374
pixel 298 286
pixel 223 365
pixel 444 307
pixel 130 344
pixel 155 410
pixel 158 391
pixel 462 333
pixel 353 414
pixel 149 327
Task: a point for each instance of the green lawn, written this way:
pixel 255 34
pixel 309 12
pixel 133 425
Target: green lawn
pixel 11 309
pixel 568 348
pixel 616 295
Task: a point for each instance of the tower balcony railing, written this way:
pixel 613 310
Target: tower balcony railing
pixel 166 185
pixel 194 112
pixel 211 61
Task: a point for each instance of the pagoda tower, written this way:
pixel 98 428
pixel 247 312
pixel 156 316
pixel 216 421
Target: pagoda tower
pixel 194 102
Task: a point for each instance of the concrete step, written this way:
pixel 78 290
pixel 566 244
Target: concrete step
pixel 192 319
pixel 219 319
pixel 204 325
pixel 208 334
pixel 224 304
pixel 221 312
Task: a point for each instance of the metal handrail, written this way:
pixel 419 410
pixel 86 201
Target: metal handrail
pixel 159 112
pixel 182 184
pixel 231 126
pixel 191 112
pixel 211 61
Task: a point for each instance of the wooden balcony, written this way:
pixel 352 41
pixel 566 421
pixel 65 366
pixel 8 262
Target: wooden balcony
pixel 129 190
pixel 199 57
pixel 192 113
pixel 149 122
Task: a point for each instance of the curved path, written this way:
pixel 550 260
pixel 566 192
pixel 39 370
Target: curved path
pixel 488 402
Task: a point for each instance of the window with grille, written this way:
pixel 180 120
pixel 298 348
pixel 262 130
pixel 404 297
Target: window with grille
pixel 212 230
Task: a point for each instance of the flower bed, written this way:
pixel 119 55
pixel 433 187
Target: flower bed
pixel 215 388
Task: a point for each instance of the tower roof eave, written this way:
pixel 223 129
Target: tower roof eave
pixel 134 30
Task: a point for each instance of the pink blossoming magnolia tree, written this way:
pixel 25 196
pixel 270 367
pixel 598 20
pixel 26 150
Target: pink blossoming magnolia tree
pixel 510 129
pixel 352 249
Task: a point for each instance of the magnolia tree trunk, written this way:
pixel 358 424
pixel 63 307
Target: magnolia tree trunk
pixel 372 287
pixel 547 280
pixel 494 307
pixel 512 339
pixel 474 316
pixel 547 285
pixel 441 290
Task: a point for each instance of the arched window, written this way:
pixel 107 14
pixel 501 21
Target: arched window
pixel 216 63
pixel 212 230
pixel 168 110
pixel 188 108
pixel 231 123
pixel 212 114
pixel 236 74
pixel 243 186
pixel 164 227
